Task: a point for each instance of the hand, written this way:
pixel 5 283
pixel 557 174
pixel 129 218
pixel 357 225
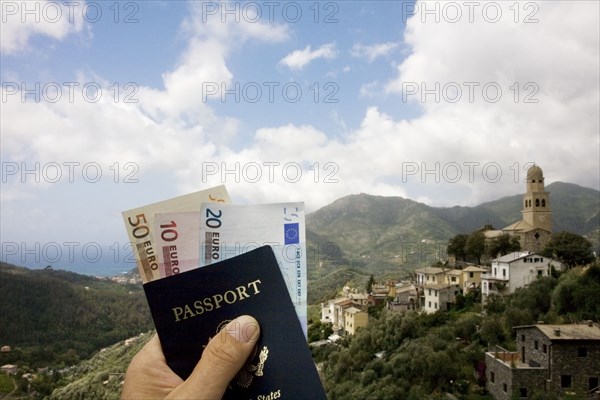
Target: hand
pixel 149 376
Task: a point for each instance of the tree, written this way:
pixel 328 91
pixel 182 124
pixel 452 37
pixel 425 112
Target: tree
pixel 577 294
pixel 475 246
pixel 456 246
pixel 370 284
pixel 502 245
pixel 570 248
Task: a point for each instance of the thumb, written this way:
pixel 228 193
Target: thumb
pixel 221 360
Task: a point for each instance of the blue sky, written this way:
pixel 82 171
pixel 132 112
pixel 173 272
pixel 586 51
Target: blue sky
pixel 445 103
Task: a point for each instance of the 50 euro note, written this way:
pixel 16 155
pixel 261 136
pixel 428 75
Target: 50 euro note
pixel 139 223
pixel 228 230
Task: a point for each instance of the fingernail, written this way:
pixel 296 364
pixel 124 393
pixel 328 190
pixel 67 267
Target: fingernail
pixel 244 329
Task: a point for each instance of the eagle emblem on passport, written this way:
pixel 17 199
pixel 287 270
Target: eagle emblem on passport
pixel 253 367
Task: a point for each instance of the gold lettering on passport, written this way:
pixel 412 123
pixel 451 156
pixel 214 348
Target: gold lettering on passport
pixel 216 301
pixel 271 396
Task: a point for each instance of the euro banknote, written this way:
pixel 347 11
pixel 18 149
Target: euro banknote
pixel 228 230
pixel 139 223
pixel 177 236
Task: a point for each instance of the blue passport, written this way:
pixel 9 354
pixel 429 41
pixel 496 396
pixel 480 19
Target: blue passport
pixel 190 308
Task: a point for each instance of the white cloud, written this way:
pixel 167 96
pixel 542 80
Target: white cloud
pixel 298 59
pixel 173 129
pixel 554 62
pixel 160 129
pixel 22 20
pixel 372 52
pixel 370 89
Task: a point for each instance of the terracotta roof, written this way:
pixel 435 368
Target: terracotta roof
pixel 344 303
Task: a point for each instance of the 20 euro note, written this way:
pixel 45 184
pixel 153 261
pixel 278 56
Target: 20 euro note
pixel 139 223
pixel 228 230
pixel 177 237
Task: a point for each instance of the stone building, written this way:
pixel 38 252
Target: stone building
pixel 553 359
pixel 535 227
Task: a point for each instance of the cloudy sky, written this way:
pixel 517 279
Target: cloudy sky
pixel 110 105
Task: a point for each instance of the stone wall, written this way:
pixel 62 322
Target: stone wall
pixel 567 361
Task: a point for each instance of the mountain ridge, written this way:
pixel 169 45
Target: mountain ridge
pixel 392 236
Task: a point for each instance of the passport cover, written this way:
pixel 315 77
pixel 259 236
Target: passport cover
pixel 190 308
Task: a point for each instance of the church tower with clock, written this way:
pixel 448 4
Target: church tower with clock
pixel 536 202
pixel 535 228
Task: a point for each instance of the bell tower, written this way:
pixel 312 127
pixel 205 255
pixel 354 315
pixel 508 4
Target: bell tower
pixel 536 202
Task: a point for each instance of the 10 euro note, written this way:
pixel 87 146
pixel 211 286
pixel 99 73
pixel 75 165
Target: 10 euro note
pixel 139 223
pixel 177 236
pixel 228 230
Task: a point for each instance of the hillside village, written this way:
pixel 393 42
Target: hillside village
pixel 436 288
pixel 555 359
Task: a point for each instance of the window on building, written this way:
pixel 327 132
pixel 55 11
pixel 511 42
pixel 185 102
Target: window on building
pixel 592 383
pixel 504 388
pixel 582 352
pixel 540 272
pixel 522 338
pixel 429 292
pixel 544 349
pixel 537 202
pixel 565 381
pixel 543 203
pixel 492 377
pixel 429 304
pixel 453 279
pixel 435 305
pixel 503 272
pixel 523 392
pixel 535 344
pixel 471 274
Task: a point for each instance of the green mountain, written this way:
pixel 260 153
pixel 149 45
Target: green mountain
pixel 360 235
pixel 58 317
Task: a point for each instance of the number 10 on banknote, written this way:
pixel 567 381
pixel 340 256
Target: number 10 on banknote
pixel 229 230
